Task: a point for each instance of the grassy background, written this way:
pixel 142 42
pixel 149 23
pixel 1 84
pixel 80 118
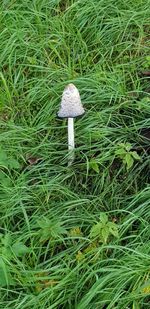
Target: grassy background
pixel 48 209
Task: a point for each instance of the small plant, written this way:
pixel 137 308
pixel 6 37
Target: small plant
pixel 89 254
pixel 93 165
pixel 80 256
pixel 103 229
pixel 146 64
pixel 50 229
pixel 125 153
pixel 8 248
pixel 8 252
pixel 145 289
pixel 8 161
pixel 76 232
pixel 144 104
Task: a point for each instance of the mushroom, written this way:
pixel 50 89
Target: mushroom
pixel 70 108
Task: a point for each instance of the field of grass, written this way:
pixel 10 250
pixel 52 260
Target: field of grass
pixel 75 237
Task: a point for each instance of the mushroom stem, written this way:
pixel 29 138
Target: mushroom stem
pixel 71 144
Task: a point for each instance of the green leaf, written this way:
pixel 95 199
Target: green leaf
pixel 32 60
pixel 19 249
pixel 148 60
pixel 8 161
pixel 94 166
pixel 120 153
pixel 105 234
pixel 57 230
pixel 128 160
pixel 145 288
pixel 50 229
pixel 3 158
pixel 103 217
pixel 114 232
pixel 6 240
pixel 5 181
pixel 128 146
pixel 13 163
pixel 121 145
pixel 103 229
pixel 96 230
pixel 5 276
pixel 113 229
pixel 135 155
pixel 6 252
pixel 125 146
pixel 80 256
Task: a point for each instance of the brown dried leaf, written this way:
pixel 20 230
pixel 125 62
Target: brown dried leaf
pixel 33 160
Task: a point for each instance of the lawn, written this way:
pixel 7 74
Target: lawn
pixel 75 237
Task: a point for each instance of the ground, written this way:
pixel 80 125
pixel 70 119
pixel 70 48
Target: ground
pixel 77 236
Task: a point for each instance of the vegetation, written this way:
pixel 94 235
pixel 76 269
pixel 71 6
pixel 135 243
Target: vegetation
pixel 78 236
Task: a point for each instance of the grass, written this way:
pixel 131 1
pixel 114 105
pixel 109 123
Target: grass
pixel 48 258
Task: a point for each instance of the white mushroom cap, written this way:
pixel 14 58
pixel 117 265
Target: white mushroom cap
pixel 71 105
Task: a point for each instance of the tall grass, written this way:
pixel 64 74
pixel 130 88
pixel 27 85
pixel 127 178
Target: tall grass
pixel 47 208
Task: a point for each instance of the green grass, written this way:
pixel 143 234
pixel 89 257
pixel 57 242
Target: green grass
pixel 47 257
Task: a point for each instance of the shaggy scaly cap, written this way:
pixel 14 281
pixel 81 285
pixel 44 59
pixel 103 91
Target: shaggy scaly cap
pixel 71 105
